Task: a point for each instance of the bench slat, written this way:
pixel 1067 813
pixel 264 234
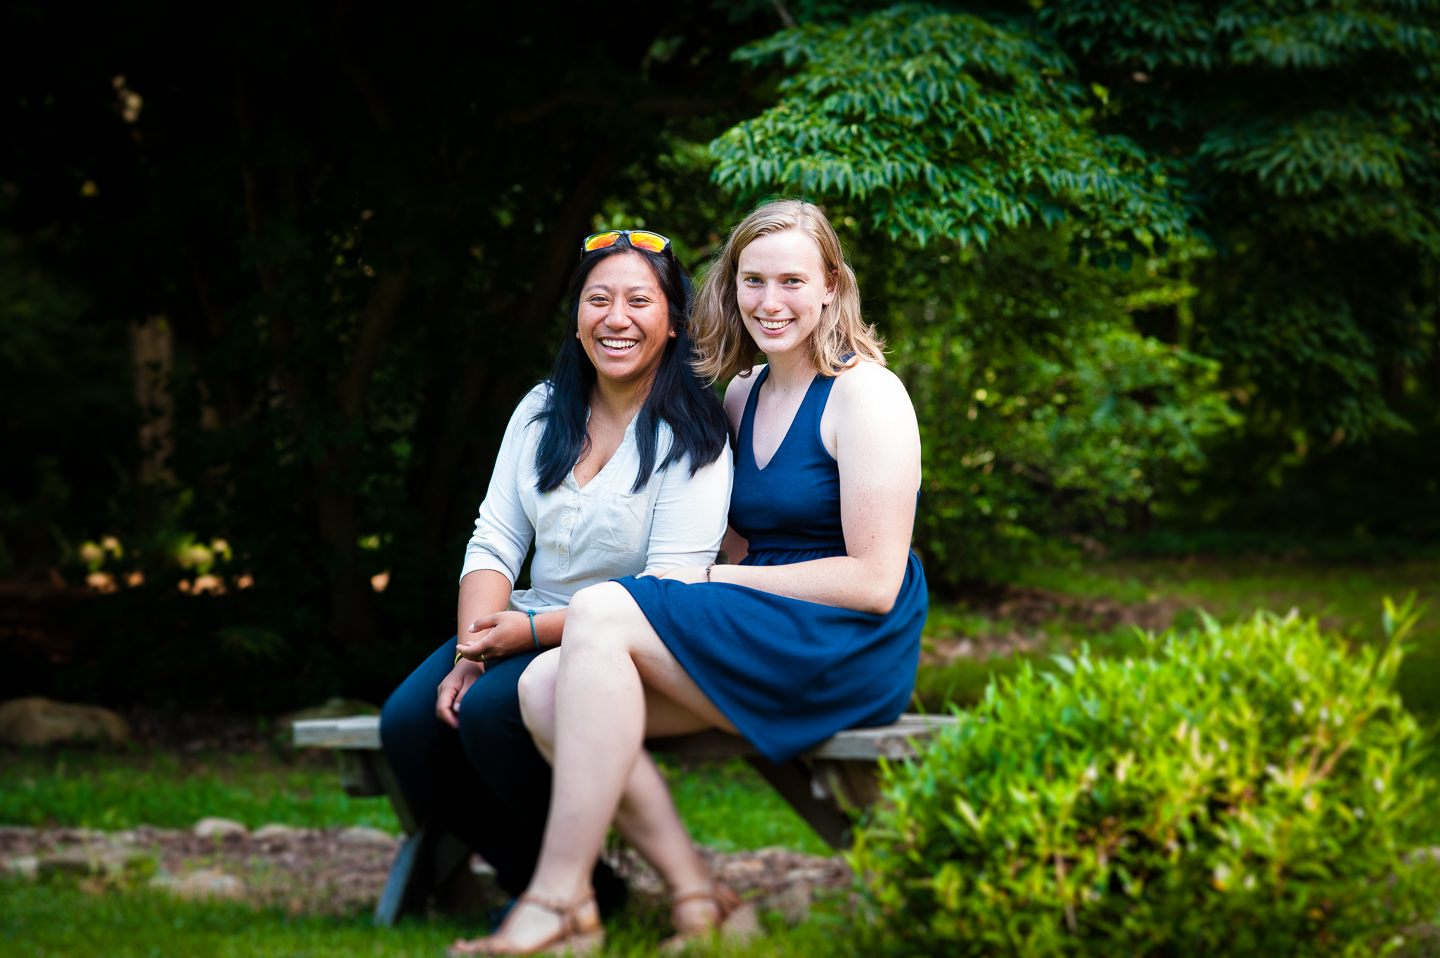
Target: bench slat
pixel 865 744
pixel 358 732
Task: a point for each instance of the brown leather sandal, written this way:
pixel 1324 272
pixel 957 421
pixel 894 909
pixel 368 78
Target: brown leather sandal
pixel 735 921
pixel 574 937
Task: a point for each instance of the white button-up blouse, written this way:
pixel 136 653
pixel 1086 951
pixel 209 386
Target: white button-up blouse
pixel 600 532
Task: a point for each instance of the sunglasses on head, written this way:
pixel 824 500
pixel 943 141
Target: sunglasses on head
pixel 640 239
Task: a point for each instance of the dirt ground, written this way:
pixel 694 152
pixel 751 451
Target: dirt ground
pixel 343 870
pixel 1030 608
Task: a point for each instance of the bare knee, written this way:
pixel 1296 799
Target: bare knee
pixel 597 617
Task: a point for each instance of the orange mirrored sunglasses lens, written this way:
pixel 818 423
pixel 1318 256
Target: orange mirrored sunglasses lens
pixel 601 240
pixel 654 242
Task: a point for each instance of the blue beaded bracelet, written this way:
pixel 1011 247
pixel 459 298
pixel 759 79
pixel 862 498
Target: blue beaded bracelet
pixel 533 635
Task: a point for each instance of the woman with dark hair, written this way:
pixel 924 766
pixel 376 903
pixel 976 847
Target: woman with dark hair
pixel 616 465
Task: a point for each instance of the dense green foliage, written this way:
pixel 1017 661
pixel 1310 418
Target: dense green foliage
pixel 944 124
pixel 1319 192
pixel 1043 412
pixel 1241 790
pixel 1298 139
pixel 1303 136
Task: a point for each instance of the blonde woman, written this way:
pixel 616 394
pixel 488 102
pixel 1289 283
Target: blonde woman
pixel 816 627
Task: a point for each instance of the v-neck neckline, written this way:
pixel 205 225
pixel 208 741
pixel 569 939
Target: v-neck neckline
pixel 601 471
pixel 755 412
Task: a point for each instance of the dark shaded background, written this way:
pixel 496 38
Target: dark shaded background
pixel 277 273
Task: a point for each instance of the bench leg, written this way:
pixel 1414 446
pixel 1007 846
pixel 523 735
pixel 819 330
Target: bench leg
pixel 426 862
pixel 855 783
pixel 796 783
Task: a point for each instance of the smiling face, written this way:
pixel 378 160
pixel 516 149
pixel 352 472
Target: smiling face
pixel 624 319
pixel 781 284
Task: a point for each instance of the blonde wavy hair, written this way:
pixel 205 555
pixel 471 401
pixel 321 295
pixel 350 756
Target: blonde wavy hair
pixel 724 348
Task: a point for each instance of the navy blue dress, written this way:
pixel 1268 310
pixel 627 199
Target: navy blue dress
pixel 789 674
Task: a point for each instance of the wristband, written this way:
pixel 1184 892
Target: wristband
pixel 533 634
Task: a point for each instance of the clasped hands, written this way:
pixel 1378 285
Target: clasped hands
pixel 506 633
pixel 496 636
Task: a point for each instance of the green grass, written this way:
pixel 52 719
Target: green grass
pixel 95 789
pixel 726 805
pixel 49 920
pixel 1346 598
pixel 58 920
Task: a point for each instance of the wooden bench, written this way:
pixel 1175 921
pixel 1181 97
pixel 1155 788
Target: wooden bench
pixel 820 785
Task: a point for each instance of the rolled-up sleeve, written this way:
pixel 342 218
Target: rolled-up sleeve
pixel 503 531
pixel 690 515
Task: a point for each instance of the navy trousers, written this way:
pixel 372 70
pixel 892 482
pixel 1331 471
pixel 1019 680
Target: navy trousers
pixel 487 784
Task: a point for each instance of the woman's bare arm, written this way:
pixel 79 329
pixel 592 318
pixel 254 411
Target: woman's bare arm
pixel 734 546
pixel 483 592
pixel 877 443
pixel 485 627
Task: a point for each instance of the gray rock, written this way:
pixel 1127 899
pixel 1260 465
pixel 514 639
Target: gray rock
pixel 41 721
pixel 209 883
pixel 792 901
pixel 219 828
pixel 23 866
pixel 276 832
pixel 85 862
pixel 360 835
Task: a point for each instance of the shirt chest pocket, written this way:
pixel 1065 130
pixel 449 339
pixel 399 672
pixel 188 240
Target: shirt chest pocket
pixel 622 524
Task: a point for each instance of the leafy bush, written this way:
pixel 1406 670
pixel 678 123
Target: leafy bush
pixel 1044 411
pixel 1243 790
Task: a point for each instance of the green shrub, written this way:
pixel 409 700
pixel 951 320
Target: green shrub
pixel 1044 409
pixel 1243 790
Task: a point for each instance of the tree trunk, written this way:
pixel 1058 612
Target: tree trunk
pixel 152 346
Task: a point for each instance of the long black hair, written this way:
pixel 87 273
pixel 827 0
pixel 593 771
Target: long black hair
pixel 677 396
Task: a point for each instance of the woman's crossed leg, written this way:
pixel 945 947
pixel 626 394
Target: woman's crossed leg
pixel 590 704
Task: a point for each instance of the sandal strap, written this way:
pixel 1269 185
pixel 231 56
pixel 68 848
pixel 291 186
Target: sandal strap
pixel 725 900
pixel 568 913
